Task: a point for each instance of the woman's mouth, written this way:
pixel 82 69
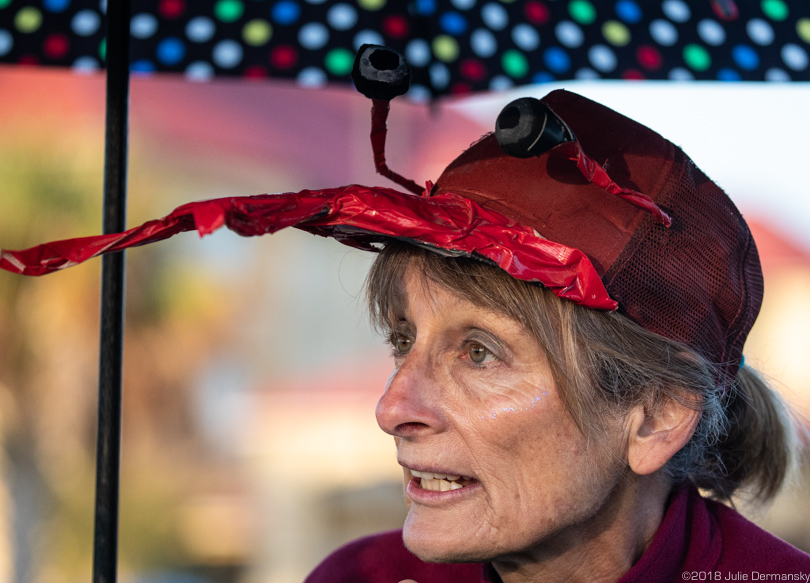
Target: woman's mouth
pixel 436 482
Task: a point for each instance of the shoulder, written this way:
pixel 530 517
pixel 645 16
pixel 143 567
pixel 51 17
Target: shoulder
pixel 749 548
pixel 383 558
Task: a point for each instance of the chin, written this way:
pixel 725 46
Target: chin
pixel 445 546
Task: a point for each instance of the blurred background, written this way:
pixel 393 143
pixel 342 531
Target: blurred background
pixel 250 449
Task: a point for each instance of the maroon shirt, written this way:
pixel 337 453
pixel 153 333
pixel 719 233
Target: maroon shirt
pixel 698 540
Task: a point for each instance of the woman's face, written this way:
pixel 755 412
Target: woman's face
pixel 472 399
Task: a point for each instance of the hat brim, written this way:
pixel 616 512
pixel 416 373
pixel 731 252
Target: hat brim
pixel 359 216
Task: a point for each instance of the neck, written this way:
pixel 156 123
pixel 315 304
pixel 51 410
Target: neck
pixel 603 547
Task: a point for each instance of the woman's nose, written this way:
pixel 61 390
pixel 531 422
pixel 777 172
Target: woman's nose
pixel 410 405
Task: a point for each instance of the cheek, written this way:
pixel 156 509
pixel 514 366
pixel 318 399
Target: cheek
pixel 514 425
pixel 504 415
pixel 552 474
pixel 520 436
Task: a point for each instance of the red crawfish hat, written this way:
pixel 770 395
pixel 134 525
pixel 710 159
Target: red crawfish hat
pixel 566 192
pixel 687 270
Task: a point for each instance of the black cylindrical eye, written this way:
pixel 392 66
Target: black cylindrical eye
pixel 528 127
pixel 380 72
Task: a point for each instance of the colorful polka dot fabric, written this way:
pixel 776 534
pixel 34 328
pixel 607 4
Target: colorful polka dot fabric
pixel 453 46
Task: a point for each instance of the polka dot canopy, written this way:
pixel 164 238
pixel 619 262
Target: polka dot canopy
pixel 453 46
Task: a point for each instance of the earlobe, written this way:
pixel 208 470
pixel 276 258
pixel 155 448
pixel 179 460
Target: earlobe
pixel 656 435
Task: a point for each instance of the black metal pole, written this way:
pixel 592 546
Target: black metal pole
pixel 108 447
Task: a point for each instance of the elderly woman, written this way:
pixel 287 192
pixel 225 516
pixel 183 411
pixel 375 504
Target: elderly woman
pixel 566 309
pixel 543 437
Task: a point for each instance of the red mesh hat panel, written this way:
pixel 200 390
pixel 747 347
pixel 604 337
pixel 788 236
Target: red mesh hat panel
pixel 698 282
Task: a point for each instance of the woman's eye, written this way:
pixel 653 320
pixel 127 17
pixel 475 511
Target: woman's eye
pixel 478 353
pixel 402 344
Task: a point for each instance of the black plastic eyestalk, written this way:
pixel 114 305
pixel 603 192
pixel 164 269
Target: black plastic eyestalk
pixel 528 127
pixel 380 72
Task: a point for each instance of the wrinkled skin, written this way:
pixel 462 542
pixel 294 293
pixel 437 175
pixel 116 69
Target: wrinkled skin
pixel 472 394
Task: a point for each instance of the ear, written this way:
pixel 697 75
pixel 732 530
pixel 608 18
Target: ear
pixel 656 435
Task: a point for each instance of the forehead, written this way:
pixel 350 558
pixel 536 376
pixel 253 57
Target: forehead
pixel 404 274
pixel 418 296
pixel 414 290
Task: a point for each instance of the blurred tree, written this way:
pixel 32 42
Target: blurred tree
pixel 50 188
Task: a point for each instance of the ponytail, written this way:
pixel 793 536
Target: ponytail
pixel 759 448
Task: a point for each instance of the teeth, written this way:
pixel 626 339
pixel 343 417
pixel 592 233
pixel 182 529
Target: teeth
pixel 437 485
pixel 434 476
pixel 439 482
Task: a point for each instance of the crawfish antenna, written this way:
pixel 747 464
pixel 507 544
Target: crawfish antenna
pixel 381 74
